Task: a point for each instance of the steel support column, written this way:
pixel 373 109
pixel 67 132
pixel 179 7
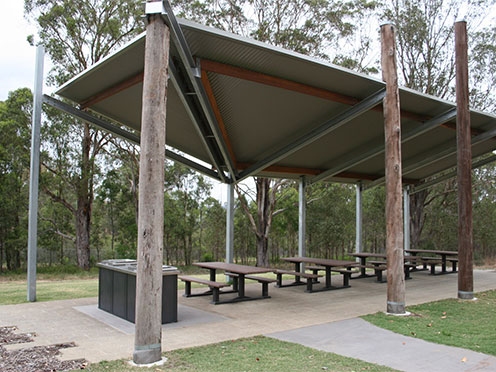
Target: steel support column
pixel 35 174
pixel 406 218
pixel 230 225
pixel 359 219
pixel 302 215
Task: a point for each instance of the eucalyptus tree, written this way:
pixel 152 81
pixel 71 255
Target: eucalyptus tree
pixel 77 34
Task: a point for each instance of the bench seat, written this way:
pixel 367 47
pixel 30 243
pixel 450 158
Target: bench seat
pixel 214 286
pixel 264 281
pixel 309 277
pixel 378 269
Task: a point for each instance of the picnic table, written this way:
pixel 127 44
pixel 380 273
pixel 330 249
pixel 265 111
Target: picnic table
pixel 241 272
pixel 443 254
pixel 363 262
pixel 326 263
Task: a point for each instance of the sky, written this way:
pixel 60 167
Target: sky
pixel 17 57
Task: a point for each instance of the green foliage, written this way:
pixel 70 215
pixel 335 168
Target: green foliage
pixel 15 137
pixel 249 354
pixel 78 34
pixel 465 324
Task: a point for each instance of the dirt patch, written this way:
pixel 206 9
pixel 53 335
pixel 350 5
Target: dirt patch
pixel 33 359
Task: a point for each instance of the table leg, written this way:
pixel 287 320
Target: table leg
pixel 297 269
pixel 362 263
pixel 328 276
pixel 443 265
pixel 212 275
pixel 241 286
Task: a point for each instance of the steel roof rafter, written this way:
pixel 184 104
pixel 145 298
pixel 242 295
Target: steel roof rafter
pixel 196 119
pixel 324 129
pixel 378 149
pixel 452 174
pixel 124 134
pixel 193 73
pixel 435 155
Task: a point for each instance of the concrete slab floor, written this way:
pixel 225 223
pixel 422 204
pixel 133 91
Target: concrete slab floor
pixel 289 308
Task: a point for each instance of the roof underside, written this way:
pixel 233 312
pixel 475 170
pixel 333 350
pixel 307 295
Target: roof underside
pixel 265 100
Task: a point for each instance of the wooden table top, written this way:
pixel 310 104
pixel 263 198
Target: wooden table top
pixel 366 254
pixel 319 261
pixel 433 251
pixel 234 268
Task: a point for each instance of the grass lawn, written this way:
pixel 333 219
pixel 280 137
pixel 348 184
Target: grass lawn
pixel 65 286
pixel 248 354
pixel 15 292
pixel 466 324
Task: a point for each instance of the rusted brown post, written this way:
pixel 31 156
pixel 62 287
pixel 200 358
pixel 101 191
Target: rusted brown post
pixel 464 166
pixel 394 207
pixel 148 335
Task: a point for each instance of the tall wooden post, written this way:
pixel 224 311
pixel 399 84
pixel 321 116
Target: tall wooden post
pixel 464 166
pixel 394 208
pixel 148 335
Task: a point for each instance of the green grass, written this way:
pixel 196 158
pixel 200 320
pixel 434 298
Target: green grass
pixel 466 324
pixel 63 285
pixel 16 292
pixel 53 272
pixel 248 354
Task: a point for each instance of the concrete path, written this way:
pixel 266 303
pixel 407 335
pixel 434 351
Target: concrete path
pixel 356 338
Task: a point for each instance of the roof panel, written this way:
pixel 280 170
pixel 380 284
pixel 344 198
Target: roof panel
pixel 260 119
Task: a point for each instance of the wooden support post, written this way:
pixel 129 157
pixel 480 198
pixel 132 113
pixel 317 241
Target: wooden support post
pixel 148 336
pixel 394 208
pixel 464 166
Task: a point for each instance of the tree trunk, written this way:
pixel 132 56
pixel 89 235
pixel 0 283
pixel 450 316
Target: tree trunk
pixel 262 249
pixel 1 255
pixel 417 216
pixel 84 201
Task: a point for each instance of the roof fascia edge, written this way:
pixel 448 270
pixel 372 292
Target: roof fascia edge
pixel 124 134
pixel 324 129
pixel 194 75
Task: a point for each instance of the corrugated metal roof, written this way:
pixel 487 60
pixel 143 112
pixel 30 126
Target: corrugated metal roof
pixel 260 119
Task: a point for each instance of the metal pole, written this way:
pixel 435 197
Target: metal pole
pixel 464 165
pixel 148 335
pixel 35 173
pixel 359 219
pixel 230 225
pixel 394 208
pixel 302 214
pixel 406 218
